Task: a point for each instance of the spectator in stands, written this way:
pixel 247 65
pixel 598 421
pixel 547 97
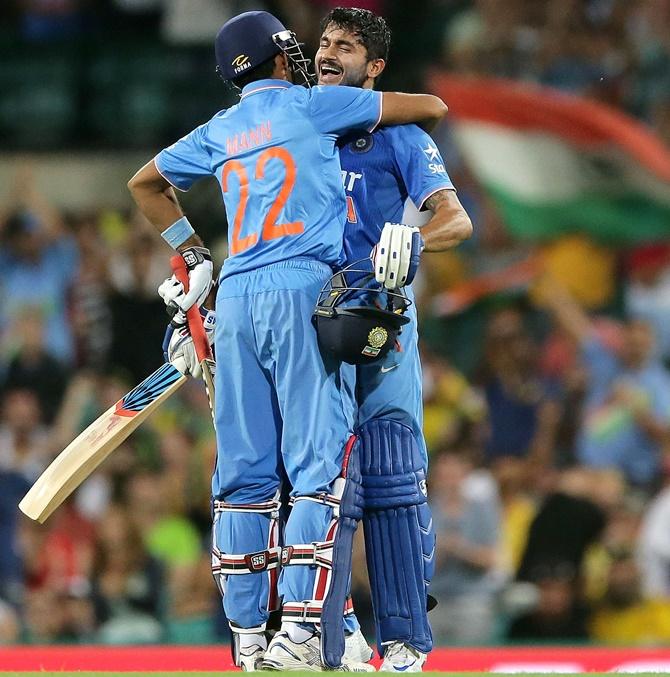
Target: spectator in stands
pixel 13 487
pixel 172 539
pixel 58 555
pixel 647 292
pixel 91 314
pixel 24 440
pixel 44 617
pixel 10 627
pixel 577 509
pixel 518 510
pixel 453 411
pixel 654 545
pixel 32 367
pixel 128 585
pixel 626 419
pixel 38 260
pixel 647 39
pixel 136 269
pixel 522 408
pixel 465 556
pixel 559 613
pixel 625 616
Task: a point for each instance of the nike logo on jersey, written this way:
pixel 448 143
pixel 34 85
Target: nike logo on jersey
pixel 386 370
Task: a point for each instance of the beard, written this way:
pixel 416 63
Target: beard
pixel 355 78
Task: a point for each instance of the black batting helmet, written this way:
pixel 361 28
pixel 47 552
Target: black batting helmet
pixel 357 320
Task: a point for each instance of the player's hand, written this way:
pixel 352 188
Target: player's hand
pixel 199 265
pixel 178 348
pixel 396 256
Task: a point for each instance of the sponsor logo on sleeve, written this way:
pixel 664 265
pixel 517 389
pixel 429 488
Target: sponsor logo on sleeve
pixel 434 160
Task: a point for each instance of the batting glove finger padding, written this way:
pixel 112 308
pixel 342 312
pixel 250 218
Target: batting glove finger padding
pixel 198 262
pixel 396 256
pixel 178 345
pixel 172 293
pixel 170 290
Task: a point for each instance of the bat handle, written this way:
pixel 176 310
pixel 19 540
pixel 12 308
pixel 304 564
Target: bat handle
pixel 202 347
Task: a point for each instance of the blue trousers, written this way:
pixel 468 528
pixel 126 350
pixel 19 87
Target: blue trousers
pixel 281 407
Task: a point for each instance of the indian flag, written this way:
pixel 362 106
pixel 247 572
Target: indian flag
pixel 555 163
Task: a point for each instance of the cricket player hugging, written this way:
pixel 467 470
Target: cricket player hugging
pixel 282 409
pixel 381 170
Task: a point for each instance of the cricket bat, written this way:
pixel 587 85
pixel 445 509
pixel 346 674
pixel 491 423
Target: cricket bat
pixel 91 447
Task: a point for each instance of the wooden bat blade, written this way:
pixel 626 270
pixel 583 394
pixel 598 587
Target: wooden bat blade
pixel 91 447
pixel 208 367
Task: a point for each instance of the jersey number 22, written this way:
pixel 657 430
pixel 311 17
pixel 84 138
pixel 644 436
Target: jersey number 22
pixel 271 229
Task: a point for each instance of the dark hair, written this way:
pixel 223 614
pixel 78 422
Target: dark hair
pixel 372 30
pixel 261 72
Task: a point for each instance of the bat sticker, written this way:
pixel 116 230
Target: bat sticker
pixel 146 392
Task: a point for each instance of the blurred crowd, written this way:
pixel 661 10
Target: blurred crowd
pixel 547 397
pixel 105 73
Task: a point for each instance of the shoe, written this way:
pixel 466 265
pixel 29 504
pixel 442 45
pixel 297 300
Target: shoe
pixel 400 657
pixel 356 648
pixel 251 658
pixel 285 654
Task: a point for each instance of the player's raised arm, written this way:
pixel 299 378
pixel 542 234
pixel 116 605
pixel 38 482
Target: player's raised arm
pixel 401 109
pixel 338 110
pixel 449 224
pixel 156 199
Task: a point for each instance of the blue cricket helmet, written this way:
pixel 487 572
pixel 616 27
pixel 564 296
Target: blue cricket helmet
pixel 251 38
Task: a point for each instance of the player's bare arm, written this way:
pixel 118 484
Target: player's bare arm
pixel 157 200
pixel 401 109
pixel 450 223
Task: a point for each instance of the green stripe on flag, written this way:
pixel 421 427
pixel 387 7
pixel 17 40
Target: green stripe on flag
pixel 612 219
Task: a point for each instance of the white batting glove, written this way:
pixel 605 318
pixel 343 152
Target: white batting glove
pixel 200 268
pixel 178 344
pixel 396 256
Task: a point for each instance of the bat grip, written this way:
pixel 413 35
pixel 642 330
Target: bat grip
pixel 198 334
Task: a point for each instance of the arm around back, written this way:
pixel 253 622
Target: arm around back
pixel 402 109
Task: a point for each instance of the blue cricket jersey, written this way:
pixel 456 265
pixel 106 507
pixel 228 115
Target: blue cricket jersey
pixel 379 172
pixel 275 158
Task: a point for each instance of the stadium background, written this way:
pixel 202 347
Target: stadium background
pixel 91 89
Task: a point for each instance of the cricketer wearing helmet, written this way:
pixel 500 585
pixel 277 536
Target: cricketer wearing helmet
pixel 280 406
pixel 380 170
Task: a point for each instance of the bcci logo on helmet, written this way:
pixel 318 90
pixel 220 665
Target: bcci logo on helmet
pixel 357 319
pixel 376 339
pixel 240 63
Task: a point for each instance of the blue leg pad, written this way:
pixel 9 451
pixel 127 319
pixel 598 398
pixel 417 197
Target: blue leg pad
pixel 350 513
pixel 399 536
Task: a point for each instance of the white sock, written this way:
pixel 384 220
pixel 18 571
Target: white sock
pixel 296 632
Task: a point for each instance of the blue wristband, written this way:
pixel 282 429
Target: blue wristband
pixel 178 232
